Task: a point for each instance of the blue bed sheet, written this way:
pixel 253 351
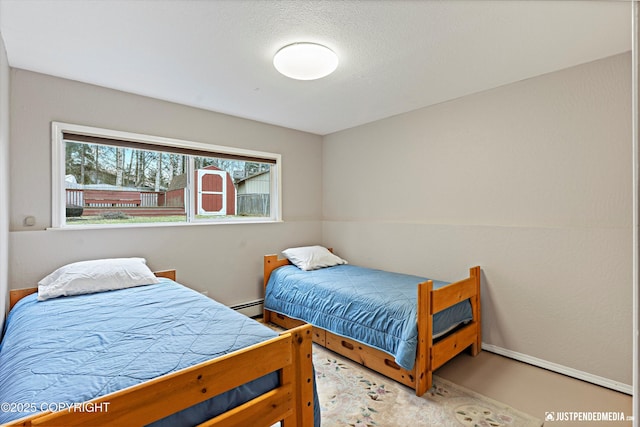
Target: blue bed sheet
pixel 374 307
pixel 73 349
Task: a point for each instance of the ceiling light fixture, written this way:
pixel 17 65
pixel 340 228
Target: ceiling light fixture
pixel 305 61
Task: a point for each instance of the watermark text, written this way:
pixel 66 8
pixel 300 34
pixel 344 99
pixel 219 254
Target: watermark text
pixel 54 407
pixel 586 416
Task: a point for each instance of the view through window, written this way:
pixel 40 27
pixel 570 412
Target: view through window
pixel 109 181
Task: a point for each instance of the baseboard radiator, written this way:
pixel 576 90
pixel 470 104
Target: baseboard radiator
pixel 251 308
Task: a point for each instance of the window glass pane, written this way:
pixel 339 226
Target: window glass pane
pixel 225 188
pixel 107 184
pixel 115 185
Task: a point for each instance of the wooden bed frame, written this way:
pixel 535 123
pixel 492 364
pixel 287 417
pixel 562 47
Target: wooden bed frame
pixel 291 402
pixel 430 354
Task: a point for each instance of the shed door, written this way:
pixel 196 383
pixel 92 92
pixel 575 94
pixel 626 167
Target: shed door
pixel 212 190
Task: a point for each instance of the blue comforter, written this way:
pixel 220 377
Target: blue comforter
pixel 375 307
pixel 73 349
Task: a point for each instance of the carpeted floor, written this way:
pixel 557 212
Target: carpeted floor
pixel 351 395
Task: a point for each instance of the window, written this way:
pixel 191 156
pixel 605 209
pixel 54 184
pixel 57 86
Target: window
pixel 104 177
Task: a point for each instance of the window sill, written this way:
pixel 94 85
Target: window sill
pixel 161 225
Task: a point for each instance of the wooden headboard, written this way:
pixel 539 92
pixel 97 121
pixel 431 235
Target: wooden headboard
pixel 16 295
pixel 271 262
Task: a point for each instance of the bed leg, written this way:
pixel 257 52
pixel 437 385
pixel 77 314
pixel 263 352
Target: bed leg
pixel 303 373
pixel 475 273
pixel 427 383
pixel 475 349
pixel 422 367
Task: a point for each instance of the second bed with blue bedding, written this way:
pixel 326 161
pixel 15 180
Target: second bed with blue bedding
pixel 375 307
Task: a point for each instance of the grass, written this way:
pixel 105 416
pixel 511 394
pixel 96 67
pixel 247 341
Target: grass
pixel 92 220
pixel 124 219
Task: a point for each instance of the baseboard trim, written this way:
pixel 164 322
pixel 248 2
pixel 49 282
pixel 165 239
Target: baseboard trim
pixel 561 369
pixel 251 308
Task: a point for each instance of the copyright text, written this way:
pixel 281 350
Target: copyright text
pixel 54 406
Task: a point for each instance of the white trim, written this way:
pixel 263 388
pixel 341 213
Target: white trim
pixel 560 369
pixel 223 175
pixel 58 197
pixel 276 189
pixel 159 140
pixel 635 110
pixel 190 204
pixel 163 224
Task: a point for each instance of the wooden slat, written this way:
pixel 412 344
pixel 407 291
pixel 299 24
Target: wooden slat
pixel 16 295
pixel 475 273
pixel 319 334
pixel 288 376
pixel 370 357
pixel 285 321
pixel 163 396
pixel 453 344
pixel 135 211
pixel 303 371
pixel 452 294
pixel 270 263
pixel 266 409
pixel 22 422
pixel 112 197
pixel 424 376
pixel 168 274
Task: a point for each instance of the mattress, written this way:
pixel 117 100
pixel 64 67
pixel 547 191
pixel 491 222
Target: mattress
pixel 377 308
pixel 74 349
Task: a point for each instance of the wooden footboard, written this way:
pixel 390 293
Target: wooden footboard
pixel 291 402
pixel 430 355
pixel 271 262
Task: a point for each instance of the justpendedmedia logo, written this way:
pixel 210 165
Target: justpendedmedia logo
pixel 586 416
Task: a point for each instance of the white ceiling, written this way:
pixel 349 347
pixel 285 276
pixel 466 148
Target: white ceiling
pixel 395 56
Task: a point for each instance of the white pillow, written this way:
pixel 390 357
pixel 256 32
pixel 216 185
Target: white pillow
pixel 99 275
pixel 312 257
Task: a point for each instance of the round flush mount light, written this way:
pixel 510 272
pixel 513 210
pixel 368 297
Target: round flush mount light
pixel 305 61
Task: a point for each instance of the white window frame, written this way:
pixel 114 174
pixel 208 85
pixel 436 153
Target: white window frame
pixel 201 192
pixel 58 197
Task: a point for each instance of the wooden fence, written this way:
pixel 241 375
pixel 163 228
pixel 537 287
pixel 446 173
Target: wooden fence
pixel 148 199
pixel 247 204
pixel 253 204
pixel 90 202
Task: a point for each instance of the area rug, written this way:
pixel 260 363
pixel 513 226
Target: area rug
pixel 352 395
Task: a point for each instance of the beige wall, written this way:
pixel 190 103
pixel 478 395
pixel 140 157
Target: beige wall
pixel 531 181
pixel 225 260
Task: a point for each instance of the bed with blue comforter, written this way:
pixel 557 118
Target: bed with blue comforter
pixel 369 315
pixel 375 307
pixel 76 348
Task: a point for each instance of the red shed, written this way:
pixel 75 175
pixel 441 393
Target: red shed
pixel 215 192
